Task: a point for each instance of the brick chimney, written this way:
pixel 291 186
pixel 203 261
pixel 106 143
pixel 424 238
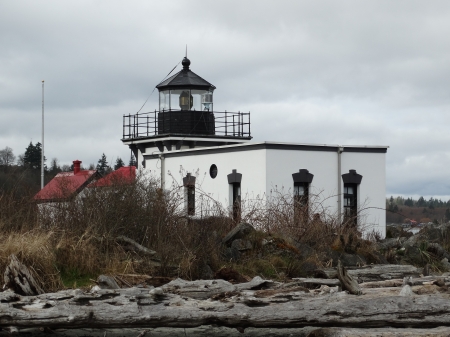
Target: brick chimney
pixel 76 166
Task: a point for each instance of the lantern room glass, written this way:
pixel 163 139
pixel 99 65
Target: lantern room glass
pixel 164 103
pixel 186 99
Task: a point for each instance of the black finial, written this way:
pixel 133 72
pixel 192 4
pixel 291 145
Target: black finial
pixel 186 63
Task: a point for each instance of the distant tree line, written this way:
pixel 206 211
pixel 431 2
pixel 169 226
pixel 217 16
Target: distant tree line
pixel 21 173
pixel 393 204
pixel 32 159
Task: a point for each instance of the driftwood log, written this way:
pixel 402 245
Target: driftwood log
pixel 378 272
pixel 347 281
pixel 183 304
pixel 131 245
pixel 19 279
pixel 379 332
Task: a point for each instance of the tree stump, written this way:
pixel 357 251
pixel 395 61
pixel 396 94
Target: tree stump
pixel 348 283
pixel 18 278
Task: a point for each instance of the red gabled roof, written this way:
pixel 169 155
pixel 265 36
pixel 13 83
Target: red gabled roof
pixel 123 175
pixel 65 185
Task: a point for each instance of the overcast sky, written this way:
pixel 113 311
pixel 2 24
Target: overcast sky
pixel 334 72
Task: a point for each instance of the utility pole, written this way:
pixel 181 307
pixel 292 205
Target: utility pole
pixel 42 151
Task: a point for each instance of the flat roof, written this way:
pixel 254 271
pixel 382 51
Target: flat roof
pixel 274 146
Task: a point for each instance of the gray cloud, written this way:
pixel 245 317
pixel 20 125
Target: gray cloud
pixel 346 72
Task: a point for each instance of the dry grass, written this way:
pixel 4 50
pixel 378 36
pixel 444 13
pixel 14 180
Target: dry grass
pixel 35 249
pixel 69 243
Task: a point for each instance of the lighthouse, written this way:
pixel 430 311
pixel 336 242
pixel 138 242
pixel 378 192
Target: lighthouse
pixel 210 154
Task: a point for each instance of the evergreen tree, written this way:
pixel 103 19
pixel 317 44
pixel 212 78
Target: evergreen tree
pixel 421 202
pixel 119 164
pixel 132 160
pixel 409 202
pixel 102 166
pixel 54 166
pixel 32 156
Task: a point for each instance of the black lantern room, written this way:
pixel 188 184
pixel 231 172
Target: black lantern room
pixel 186 104
pixel 185 116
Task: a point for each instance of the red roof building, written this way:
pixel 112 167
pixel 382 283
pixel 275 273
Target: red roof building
pixel 124 175
pixel 66 185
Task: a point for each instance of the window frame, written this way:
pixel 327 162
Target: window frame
pixel 189 194
pixel 351 200
pixel 234 182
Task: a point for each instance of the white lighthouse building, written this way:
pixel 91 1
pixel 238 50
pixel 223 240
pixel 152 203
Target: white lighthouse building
pixel 216 158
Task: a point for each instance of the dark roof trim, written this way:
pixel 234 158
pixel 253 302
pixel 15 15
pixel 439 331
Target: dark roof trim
pixel 184 136
pixel 185 79
pixel 188 180
pixel 352 177
pixel 366 149
pixel 303 176
pixel 234 177
pixel 271 146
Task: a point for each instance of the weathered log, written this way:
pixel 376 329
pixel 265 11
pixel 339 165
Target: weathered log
pixel 438 280
pixel 131 245
pixel 406 291
pixel 202 331
pixel 208 330
pixel 372 273
pixel 316 282
pixel 379 332
pixel 18 278
pixel 382 284
pixel 171 306
pixel 347 281
pixel 203 289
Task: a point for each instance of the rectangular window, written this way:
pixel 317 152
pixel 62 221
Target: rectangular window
pixel 350 204
pixel 301 200
pixel 189 197
pixel 236 201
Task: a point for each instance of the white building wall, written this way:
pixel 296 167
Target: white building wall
pixel 372 190
pixel 266 171
pixel 250 163
pixel 281 164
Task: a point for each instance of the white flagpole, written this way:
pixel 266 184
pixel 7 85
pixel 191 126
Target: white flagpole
pixel 42 152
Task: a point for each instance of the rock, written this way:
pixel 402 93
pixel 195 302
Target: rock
pixel 397 232
pixel 241 245
pixel 230 275
pixel 304 249
pixel 231 254
pixel 107 282
pixel 387 244
pixel 156 293
pixel 352 260
pixel 238 232
pixel 432 233
pixel 445 264
pixel 412 240
pixel 206 272
pixel 378 258
pixel 438 250
pixel 413 255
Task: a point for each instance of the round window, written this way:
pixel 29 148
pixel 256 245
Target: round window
pixel 213 171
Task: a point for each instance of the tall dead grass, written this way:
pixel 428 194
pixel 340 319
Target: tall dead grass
pixel 77 238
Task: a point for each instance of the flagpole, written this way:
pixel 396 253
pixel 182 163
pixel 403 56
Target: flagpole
pixel 42 152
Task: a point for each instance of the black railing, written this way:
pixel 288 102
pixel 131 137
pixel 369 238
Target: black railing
pixel 182 122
